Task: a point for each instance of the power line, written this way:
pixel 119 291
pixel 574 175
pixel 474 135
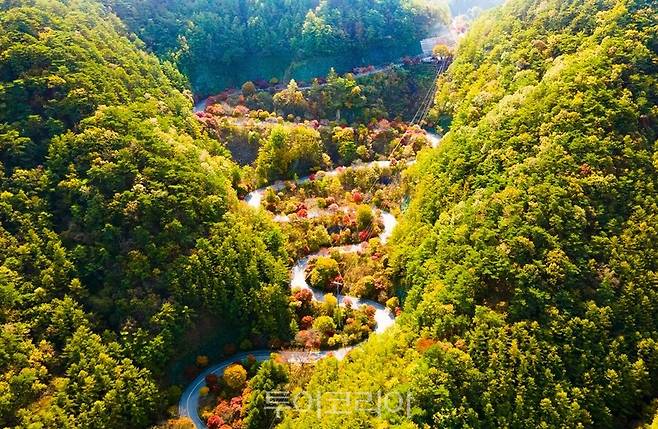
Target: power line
pixel 418 118
pixel 426 98
pixel 426 104
pixel 424 107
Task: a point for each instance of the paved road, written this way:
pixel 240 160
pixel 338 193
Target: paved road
pixel 189 402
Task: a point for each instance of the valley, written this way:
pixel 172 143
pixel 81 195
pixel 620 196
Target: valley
pixel 249 214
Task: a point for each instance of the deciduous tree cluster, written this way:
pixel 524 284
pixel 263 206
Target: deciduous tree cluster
pixel 119 225
pixel 528 249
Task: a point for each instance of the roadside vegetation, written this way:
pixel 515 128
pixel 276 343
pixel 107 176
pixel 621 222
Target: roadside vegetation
pixel 133 257
pixel 528 247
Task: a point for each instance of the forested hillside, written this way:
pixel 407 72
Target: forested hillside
pixel 120 228
pixel 527 254
pixel 212 40
pixel 523 272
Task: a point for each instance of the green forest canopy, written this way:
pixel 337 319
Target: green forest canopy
pixel 526 257
pixel 212 40
pixel 528 250
pixel 120 227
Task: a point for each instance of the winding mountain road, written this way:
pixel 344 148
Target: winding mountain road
pixel 189 402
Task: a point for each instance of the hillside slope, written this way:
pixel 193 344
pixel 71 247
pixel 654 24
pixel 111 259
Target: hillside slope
pixel 219 43
pixel 119 225
pixel 528 250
